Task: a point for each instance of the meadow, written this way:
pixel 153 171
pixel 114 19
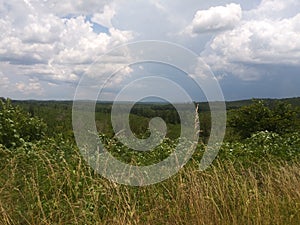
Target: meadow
pixel 255 178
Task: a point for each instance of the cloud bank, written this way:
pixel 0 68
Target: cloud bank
pixel 261 40
pixel 46 46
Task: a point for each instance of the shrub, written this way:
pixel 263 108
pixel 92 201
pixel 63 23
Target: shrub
pixel 247 120
pixel 17 126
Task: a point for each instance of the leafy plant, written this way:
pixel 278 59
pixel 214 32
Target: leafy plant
pixel 17 126
pixel 279 118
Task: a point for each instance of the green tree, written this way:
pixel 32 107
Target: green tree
pixel 283 118
pixel 17 126
pixel 279 118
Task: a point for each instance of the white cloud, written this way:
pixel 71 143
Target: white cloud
pixel 158 5
pixel 56 41
pixel 105 18
pixel 38 42
pixel 33 86
pixel 256 41
pixel 214 19
pixel 41 29
pixel 4 81
pixel 68 7
pixel 274 9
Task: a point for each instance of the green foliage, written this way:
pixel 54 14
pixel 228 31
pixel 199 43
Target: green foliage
pixel 17 126
pixel 45 180
pixel 279 118
pixel 48 182
pixel 283 118
pixel 263 145
pixel 142 158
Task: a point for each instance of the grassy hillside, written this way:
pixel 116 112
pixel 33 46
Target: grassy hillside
pixel 45 180
pixel 49 183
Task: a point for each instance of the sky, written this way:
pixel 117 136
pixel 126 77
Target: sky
pixel 47 47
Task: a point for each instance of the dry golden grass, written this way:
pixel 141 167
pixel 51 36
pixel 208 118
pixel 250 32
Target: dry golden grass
pixel 38 190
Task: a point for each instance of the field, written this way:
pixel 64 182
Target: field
pixel 255 178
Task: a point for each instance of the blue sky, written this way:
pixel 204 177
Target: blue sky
pixel 46 47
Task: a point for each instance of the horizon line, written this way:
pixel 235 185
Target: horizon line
pixel 141 102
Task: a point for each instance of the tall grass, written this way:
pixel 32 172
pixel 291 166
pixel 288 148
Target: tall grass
pixel 37 188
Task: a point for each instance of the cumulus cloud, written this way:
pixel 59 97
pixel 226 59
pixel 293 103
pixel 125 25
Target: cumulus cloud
pixel 54 42
pixel 215 19
pixel 33 86
pixel 272 9
pixel 47 46
pixel 105 18
pixel 256 42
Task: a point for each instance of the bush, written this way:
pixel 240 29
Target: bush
pixel 263 145
pixel 17 127
pixel 247 120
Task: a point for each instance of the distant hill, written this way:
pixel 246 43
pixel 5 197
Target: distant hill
pixel 295 102
pixel 203 106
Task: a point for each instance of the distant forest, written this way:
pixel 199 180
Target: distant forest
pixel 58 115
